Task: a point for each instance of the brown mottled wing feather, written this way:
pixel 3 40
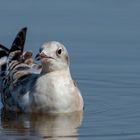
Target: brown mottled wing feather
pixel 17 83
pixel 20 75
pixel 14 59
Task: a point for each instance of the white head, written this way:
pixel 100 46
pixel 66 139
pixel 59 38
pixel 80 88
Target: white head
pixel 53 56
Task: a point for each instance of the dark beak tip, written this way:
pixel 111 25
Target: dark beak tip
pixel 37 57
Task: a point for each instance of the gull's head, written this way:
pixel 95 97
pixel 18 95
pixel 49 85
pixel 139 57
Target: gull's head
pixel 53 56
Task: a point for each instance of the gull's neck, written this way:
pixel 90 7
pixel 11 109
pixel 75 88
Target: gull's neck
pixel 48 69
pixel 44 70
pixel 65 71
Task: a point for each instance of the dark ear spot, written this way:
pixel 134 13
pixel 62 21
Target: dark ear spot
pixel 74 82
pixel 67 58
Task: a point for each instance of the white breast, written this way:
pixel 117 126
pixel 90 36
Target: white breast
pixel 55 92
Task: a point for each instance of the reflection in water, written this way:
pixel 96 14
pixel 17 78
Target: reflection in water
pixel 60 126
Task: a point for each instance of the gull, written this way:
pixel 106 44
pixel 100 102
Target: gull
pixel 44 88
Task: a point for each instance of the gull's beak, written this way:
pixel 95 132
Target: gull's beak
pixel 41 55
pixel 37 57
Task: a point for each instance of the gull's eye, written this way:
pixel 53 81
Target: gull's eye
pixel 59 51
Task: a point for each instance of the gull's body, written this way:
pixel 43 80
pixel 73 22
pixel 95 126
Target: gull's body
pixel 57 94
pixel 49 89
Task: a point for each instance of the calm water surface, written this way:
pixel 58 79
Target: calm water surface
pixel 103 39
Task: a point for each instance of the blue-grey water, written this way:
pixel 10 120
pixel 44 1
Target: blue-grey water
pixel 103 40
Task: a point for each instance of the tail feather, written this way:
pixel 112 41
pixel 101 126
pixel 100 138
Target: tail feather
pixel 18 43
pixel 14 53
pixel 3 51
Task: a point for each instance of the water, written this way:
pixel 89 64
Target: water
pixel 103 39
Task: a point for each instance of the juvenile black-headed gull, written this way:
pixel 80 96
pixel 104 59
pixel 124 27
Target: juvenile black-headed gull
pixel 51 90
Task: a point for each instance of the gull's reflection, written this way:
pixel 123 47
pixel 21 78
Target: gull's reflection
pixel 60 126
